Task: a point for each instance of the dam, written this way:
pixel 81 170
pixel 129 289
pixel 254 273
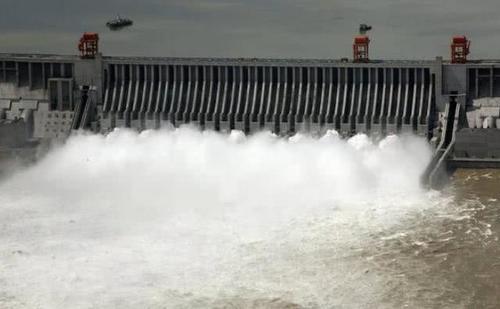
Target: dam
pixel 455 103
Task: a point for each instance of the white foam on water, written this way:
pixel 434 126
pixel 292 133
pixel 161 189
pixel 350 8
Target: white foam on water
pixel 200 219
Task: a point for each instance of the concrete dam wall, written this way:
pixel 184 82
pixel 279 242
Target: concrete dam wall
pixel 280 97
pixel 45 97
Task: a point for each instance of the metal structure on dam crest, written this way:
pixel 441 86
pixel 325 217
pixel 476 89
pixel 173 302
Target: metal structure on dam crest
pixel 452 103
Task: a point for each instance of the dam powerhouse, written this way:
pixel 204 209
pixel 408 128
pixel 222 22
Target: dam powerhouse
pixel 454 103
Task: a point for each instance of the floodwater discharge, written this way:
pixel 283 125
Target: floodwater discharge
pixel 189 219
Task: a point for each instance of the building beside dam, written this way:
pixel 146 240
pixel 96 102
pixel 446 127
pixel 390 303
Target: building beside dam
pixel 455 103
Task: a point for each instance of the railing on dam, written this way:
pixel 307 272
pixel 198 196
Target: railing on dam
pixel 283 99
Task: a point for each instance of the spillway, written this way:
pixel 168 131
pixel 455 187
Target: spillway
pixel 455 106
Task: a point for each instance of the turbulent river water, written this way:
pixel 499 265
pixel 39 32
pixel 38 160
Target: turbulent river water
pixel 189 219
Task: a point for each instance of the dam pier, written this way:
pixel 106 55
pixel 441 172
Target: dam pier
pixel 454 103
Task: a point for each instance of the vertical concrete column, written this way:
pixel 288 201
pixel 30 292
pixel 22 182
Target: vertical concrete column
pixel 185 105
pixel 345 102
pixel 328 122
pixel 265 87
pixel 171 106
pixel 281 116
pixel 303 103
pixel 319 110
pixel 239 101
pixel 131 84
pixel 400 102
pixel 150 95
pixel 393 94
pixel 223 124
pixel 271 101
pixel 365 118
pixel 407 102
pixel 232 100
pixel 341 84
pixel 214 117
pixel 280 85
pixel 376 102
pixel 206 121
pixel 202 96
pixel 136 90
pixel 189 112
pixel 180 96
pixel 122 88
pixel 247 99
pixel 166 93
pixel 253 124
pixel 383 102
pixel 358 119
pixel 429 102
pixel 422 97
pixel 312 106
pixel 105 108
pixel 411 121
pixel 112 107
pixel 348 118
pixel 296 87
pixel 157 108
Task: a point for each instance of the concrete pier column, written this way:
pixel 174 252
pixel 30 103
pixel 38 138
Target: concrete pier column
pixel 319 110
pixel 190 112
pixel 373 117
pixel 328 122
pixel 344 107
pixel 227 122
pixel 207 122
pixel 302 100
pixel 222 123
pixel 246 99
pixel 414 94
pixel 124 120
pixel 311 111
pixel 213 115
pixel 271 99
pixel 265 90
pixel 238 121
pixel 186 102
pixel 366 102
pixel 202 100
pixel 384 101
pixel 389 116
pixel 257 87
pixel 181 93
pixel 123 81
pixel 337 110
pixel 402 97
pixel 287 118
pixel 172 106
pixel 113 105
pixel 165 102
pixel 403 118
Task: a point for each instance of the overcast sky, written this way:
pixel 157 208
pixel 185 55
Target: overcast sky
pixel 409 29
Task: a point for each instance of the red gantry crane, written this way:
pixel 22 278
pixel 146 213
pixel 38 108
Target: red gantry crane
pixel 460 48
pixel 88 45
pixel 361 48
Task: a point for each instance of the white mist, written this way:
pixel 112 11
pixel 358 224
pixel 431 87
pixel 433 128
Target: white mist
pixel 174 219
